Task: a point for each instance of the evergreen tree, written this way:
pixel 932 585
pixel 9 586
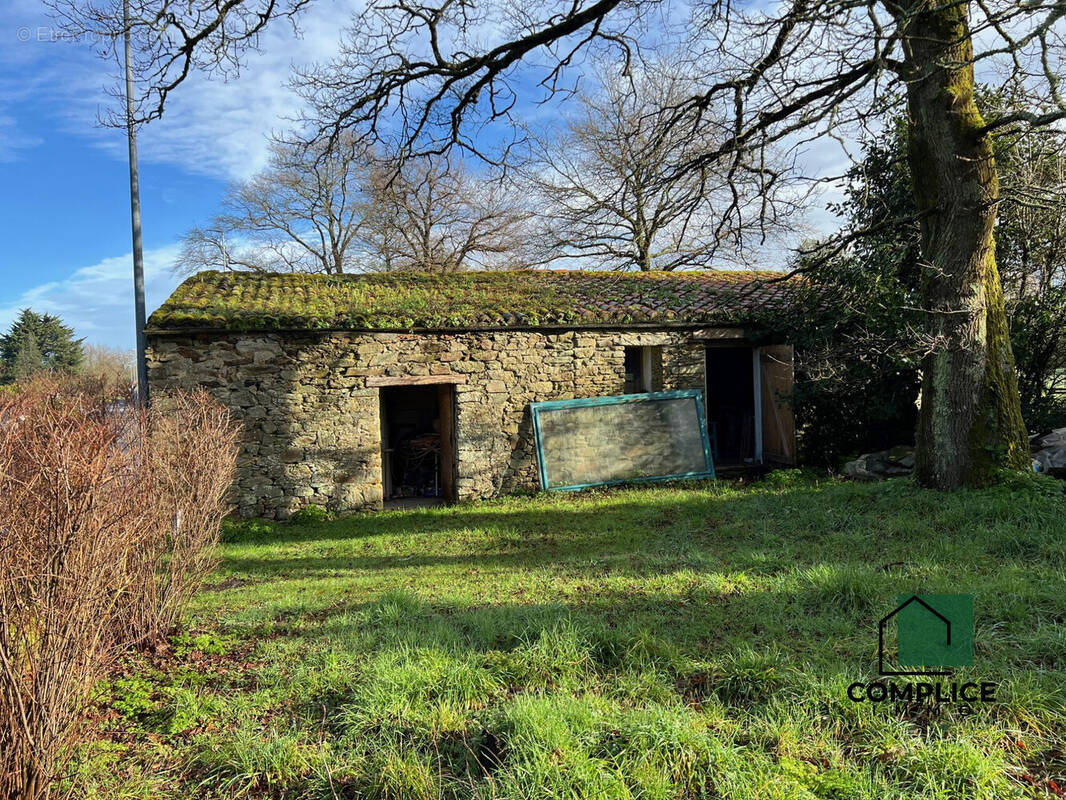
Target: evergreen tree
pixel 39 341
pixel 28 359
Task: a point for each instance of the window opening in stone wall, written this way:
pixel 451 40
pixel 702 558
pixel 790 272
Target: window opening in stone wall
pixel 643 369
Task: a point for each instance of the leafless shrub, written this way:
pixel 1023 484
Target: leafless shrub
pixel 113 366
pixel 87 494
pixel 190 453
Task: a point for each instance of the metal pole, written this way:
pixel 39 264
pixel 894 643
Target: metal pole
pixel 135 216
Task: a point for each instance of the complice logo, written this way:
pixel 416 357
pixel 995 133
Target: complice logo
pixel 934 635
pixel 933 631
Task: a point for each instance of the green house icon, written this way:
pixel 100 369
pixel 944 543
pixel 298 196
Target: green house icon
pixel 933 632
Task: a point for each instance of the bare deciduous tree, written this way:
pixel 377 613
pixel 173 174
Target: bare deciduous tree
pixel 341 208
pixel 431 214
pixel 158 44
pixel 609 191
pixel 113 366
pixel 786 74
pixel 436 73
pixel 1031 219
pixel 215 247
pixel 301 214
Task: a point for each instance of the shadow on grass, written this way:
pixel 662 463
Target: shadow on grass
pixel 551 646
pixel 809 567
pixel 856 545
pixel 812 565
pixel 523 677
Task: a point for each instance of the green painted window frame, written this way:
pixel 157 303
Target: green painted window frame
pixel 536 409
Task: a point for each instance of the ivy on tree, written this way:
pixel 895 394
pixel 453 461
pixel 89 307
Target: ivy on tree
pixel 862 352
pixel 434 76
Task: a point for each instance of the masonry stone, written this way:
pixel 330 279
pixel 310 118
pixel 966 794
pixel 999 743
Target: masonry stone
pixel 312 427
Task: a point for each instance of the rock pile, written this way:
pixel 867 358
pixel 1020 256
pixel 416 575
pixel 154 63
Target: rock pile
pixel 1049 453
pixel 883 464
pixel 1049 457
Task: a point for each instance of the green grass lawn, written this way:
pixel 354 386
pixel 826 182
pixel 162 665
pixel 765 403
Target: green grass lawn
pixel 667 642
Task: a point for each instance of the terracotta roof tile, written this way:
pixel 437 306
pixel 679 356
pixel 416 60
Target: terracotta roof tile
pixel 465 301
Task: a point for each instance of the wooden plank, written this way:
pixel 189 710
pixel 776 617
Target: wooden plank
pixel 719 333
pixel 386 451
pixel 757 411
pixel 778 421
pixel 413 380
pixel 446 412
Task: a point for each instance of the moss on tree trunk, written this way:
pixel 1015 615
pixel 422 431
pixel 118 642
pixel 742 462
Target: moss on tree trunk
pixel 970 422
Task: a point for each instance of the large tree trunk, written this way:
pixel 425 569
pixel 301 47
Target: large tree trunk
pixel 970 421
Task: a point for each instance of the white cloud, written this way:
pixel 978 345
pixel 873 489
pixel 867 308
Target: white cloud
pixel 211 127
pixel 12 139
pixel 220 128
pixel 97 301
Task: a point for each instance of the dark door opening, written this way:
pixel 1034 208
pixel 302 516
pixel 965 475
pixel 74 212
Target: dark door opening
pixel 636 381
pixel 418 464
pixel 730 401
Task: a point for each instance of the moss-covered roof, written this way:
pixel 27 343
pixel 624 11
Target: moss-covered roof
pixel 465 301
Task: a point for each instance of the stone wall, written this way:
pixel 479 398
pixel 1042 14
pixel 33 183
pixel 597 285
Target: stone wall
pixel 312 428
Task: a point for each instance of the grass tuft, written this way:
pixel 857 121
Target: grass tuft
pixel 660 642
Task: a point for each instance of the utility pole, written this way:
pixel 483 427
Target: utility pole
pixel 135 215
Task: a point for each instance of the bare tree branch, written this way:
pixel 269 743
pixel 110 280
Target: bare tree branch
pixel 431 214
pixel 172 39
pixel 612 190
pixel 302 214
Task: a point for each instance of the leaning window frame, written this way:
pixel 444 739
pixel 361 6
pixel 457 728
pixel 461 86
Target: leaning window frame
pixel 536 409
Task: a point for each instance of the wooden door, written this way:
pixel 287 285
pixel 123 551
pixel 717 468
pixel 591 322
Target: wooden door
pixel 446 411
pixel 778 421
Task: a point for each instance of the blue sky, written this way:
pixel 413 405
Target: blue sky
pixel 64 203
pixel 64 206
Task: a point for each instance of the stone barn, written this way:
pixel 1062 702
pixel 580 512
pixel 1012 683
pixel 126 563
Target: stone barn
pixel 357 391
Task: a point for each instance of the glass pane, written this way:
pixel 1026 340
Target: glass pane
pixel 621 439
